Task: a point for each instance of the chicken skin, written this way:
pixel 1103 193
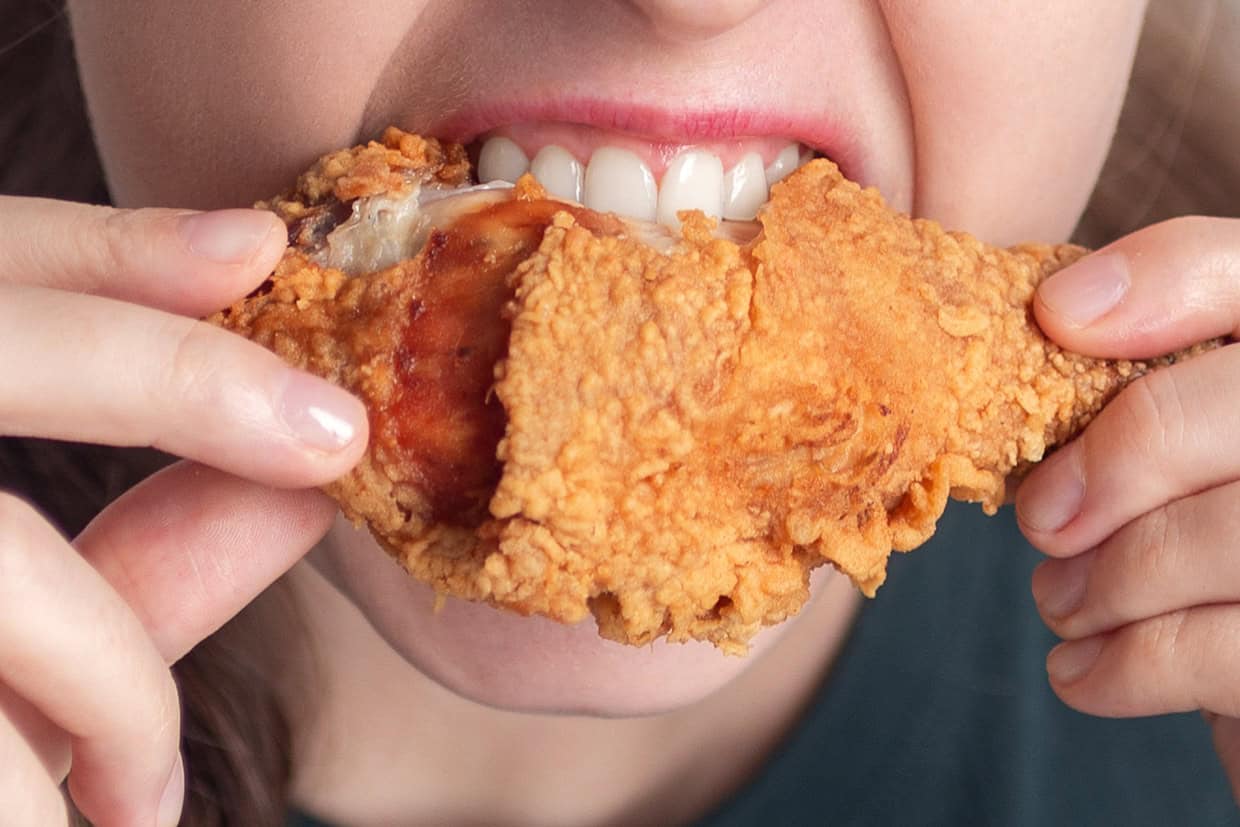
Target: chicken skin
pixel 573 415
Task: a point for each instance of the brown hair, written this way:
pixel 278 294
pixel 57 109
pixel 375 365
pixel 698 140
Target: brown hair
pixel 236 737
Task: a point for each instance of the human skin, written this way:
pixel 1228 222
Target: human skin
pixel 901 112
pixel 944 110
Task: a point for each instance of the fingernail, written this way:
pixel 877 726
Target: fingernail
pixel 1052 496
pixel 226 236
pixel 1087 290
pixel 173 799
pixel 1068 662
pixel 318 413
pixel 1060 585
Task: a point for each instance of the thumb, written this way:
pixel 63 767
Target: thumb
pixel 1160 289
pixel 1227 745
pixel 189 547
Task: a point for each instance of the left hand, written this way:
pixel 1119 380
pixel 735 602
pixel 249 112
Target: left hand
pixel 1141 513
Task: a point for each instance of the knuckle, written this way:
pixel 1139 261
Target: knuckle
pixel 146 721
pixel 168 709
pixel 157 723
pixel 1161 640
pixel 153 700
pixel 1158 651
pixel 159 720
pixel 189 369
pixel 1155 543
pixel 1154 415
pixel 113 247
pixel 126 238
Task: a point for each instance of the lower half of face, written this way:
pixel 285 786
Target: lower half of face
pixel 992 121
pixel 533 664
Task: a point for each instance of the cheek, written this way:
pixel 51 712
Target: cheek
pixel 527 664
pixel 1012 111
pixel 213 104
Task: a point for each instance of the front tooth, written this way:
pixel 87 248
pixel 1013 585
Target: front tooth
pixel 693 181
pixel 617 181
pixel 744 189
pixel 501 160
pixel 785 162
pixel 558 171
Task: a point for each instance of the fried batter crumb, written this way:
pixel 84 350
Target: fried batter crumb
pixel 573 423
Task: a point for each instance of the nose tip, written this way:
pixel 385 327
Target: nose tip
pixel 697 19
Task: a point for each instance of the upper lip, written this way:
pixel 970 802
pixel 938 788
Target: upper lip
pixel 653 122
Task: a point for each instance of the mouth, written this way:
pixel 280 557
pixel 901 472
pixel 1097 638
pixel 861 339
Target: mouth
pixel 648 181
pixel 642 162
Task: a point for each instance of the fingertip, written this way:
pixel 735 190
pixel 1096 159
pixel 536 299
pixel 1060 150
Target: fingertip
pixel 321 415
pixel 1069 662
pixel 1051 497
pixel 1083 293
pixel 181 261
pixel 1160 289
pixel 238 248
pixel 233 238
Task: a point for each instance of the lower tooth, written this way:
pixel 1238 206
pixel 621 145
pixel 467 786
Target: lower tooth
pixel 693 181
pixel 617 181
pixel 558 171
pixel 501 160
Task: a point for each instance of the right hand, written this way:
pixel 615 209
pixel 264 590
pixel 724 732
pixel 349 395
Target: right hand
pixel 99 343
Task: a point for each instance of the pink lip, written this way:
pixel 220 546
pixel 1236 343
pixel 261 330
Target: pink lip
pixel 659 124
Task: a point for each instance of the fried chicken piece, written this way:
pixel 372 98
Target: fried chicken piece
pixel 567 419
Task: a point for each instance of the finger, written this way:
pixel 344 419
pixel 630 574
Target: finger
pixel 1168 435
pixel 70 646
pixel 177 260
pixel 191 546
pixel 1176 662
pixel 1158 290
pixel 1226 732
pixel 30 797
pixel 121 374
pixel 1175 557
pixel 46 740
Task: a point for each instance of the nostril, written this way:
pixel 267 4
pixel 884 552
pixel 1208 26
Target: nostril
pixel 697 19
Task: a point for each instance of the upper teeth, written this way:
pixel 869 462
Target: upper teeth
pixel 501 160
pixel 617 180
pixel 558 171
pixel 785 162
pixel 693 181
pixel 744 188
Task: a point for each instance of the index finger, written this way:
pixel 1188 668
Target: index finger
pixel 191 546
pixel 182 261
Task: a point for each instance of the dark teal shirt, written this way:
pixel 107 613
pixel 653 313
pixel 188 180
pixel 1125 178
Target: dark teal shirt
pixel 938 712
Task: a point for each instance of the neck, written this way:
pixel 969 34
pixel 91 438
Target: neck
pixel 379 743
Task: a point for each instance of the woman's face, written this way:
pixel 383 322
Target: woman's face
pixel 987 120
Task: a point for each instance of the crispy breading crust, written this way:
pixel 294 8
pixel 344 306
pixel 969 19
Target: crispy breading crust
pixel 689 434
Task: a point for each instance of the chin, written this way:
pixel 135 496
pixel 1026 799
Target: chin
pixel 524 664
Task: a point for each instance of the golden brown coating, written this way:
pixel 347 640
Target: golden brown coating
pixel 388 166
pixel 726 419
pixel 686 434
